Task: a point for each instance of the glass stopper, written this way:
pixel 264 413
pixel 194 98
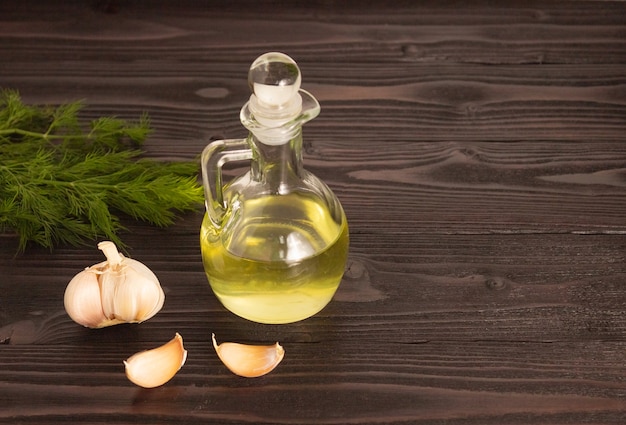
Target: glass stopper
pixel 275 79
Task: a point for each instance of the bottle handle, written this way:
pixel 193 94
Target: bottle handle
pixel 214 156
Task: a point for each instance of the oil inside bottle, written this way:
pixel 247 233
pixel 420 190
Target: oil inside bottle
pixel 281 263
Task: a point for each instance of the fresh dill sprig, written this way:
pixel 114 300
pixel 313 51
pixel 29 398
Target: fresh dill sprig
pixel 62 184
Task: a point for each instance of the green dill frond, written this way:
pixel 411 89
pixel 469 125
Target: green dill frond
pixel 110 133
pixel 60 184
pixel 12 111
pixel 65 119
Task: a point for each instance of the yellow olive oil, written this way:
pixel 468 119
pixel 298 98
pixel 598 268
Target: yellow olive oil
pixel 279 259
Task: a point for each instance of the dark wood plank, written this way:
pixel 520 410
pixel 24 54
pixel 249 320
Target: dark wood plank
pixel 479 152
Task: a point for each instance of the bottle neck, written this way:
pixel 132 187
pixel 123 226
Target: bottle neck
pixel 277 151
pixel 277 166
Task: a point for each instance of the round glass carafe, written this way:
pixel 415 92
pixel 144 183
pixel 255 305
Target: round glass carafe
pixel 274 240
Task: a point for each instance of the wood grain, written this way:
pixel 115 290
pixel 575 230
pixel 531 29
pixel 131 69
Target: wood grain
pixel 479 151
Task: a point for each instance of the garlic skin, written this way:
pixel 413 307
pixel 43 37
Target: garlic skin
pixel 153 368
pixel 250 361
pixel 119 290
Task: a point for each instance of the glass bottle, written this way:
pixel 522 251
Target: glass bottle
pixel 274 240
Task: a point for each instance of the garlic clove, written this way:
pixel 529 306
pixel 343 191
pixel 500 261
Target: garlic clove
pixel 108 279
pixel 250 361
pixel 155 367
pixel 82 299
pixel 138 295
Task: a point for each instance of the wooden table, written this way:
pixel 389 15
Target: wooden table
pixel 479 152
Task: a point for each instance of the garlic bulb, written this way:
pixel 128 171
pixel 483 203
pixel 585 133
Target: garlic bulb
pixel 250 361
pixel 152 368
pixel 119 290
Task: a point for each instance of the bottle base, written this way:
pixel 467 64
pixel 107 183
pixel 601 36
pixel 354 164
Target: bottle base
pixel 277 309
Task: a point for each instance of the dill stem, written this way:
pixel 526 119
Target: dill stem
pixel 49 136
pixel 20 132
